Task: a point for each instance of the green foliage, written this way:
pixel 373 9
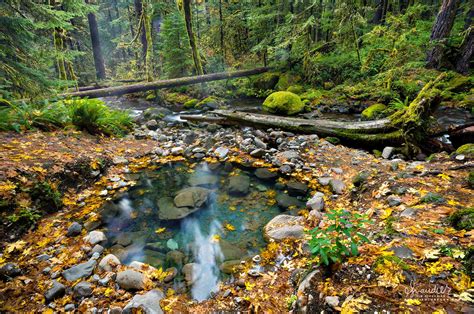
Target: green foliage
pixel 340 238
pixel 95 117
pixel 283 103
pixel 27 215
pixel 47 197
pixel 466 149
pixel 462 219
pixel 470 179
pixel 191 103
pixel 433 198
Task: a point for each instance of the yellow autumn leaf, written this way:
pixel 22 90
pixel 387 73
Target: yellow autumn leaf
pixel 386 213
pixel 15 246
pixel 413 302
pixel 355 305
pixel 444 177
pixel 232 208
pixel 229 227
pixel 438 267
pixel 215 238
pixel 7 186
pixel 108 291
pixel 249 286
pixel 160 230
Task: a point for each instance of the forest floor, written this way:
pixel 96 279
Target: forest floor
pixel 416 261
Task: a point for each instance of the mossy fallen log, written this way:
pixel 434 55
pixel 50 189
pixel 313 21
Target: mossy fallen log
pixel 408 127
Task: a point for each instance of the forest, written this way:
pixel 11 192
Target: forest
pixel 268 156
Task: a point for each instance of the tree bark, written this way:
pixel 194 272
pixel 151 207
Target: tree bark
pixel 186 9
pixel 96 49
pixel 141 87
pixel 465 52
pixel 138 13
pixel 441 29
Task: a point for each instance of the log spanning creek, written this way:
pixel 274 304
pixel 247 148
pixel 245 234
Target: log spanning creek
pixel 199 222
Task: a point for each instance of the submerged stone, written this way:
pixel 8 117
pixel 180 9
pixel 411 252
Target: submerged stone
pixel 239 185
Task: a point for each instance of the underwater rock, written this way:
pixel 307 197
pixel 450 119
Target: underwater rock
pixel 239 185
pixel 230 267
pixel 188 272
pixel 284 201
pixel 193 197
pixel 265 174
pixel 203 179
pixel 296 188
pixel 230 250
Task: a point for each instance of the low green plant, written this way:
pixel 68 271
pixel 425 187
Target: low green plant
pixel 47 196
pixel 26 214
pixel 340 238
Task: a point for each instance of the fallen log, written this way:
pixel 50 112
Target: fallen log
pixel 408 127
pixel 141 87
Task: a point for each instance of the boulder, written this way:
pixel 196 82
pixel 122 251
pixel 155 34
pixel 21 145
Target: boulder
pixel 316 202
pixel 9 270
pixel 95 237
pixel 239 185
pixel 56 291
pixel 131 280
pixel 285 103
pixel 79 271
pixel 74 229
pixel 296 188
pixel 231 251
pixel 188 272
pixel 374 112
pixel 388 152
pixel 193 197
pixel 148 303
pixel 168 211
pixel 203 179
pixel 265 174
pixel 82 290
pixel 337 186
pixel 284 227
pixel 109 262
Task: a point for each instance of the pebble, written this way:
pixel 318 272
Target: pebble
pixel 69 307
pixel 74 229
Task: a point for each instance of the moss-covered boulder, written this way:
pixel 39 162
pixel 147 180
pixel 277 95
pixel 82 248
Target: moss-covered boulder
pixel 296 89
pixel 374 112
pixel 462 219
pixel 210 102
pixel 466 149
pixel 286 103
pixel 175 98
pixel 286 80
pixel 191 103
pixel 266 81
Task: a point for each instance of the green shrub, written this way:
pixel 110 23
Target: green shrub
pixel 340 238
pixel 26 215
pixel 283 103
pixel 95 117
pixel 47 197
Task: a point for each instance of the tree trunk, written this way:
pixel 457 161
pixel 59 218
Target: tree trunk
pixel 221 30
pixel 466 52
pixel 381 12
pixel 186 9
pixel 441 29
pixel 141 87
pixel 96 49
pixel 138 14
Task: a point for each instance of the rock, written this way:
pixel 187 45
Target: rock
pixel 303 289
pixel 257 153
pixel 168 211
pixel 239 185
pixel 284 227
pixel 230 267
pixel 360 178
pixel 402 251
pixel 337 186
pixel 175 151
pixel 332 301
pixel 259 143
pixel 95 237
pixel 193 197
pixel 82 290
pixel 187 271
pixel 151 124
pixel 79 271
pixel 287 155
pixel 56 291
pixel 285 103
pixel 316 202
pixel 373 112
pixel 97 249
pixel 408 213
pixel 42 257
pixel 265 174
pixel 140 266
pixel 149 303
pixel 285 169
pixel 203 179
pixel 9 270
pixel 131 280
pixel 115 310
pixel 74 229
pixel 109 262
pixel 387 152
pixel 175 258
pixel 172 273
pixel 324 180
pixel 284 201
pixel 393 200
pixel 296 188
pixel 231 251
pixel 69 307
pixel 119 160
pixel 221 152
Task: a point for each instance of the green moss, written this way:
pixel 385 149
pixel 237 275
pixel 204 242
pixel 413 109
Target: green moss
pixel 333 140
pixel 470 179
pixel 296 89
pixel 312 95
pixel 286 80
pixel 377 153
pixel 432 198
pixel 266 81
pixel 191 103
pixel 47 197
pixel 466 149
pixel 360 178
pixel 283 103
pixel 462 219
pixel 209 102
pixel 373 112
pixel 176 98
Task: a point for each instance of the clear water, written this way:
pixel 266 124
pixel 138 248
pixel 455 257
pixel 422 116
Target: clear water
pixel 226 228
